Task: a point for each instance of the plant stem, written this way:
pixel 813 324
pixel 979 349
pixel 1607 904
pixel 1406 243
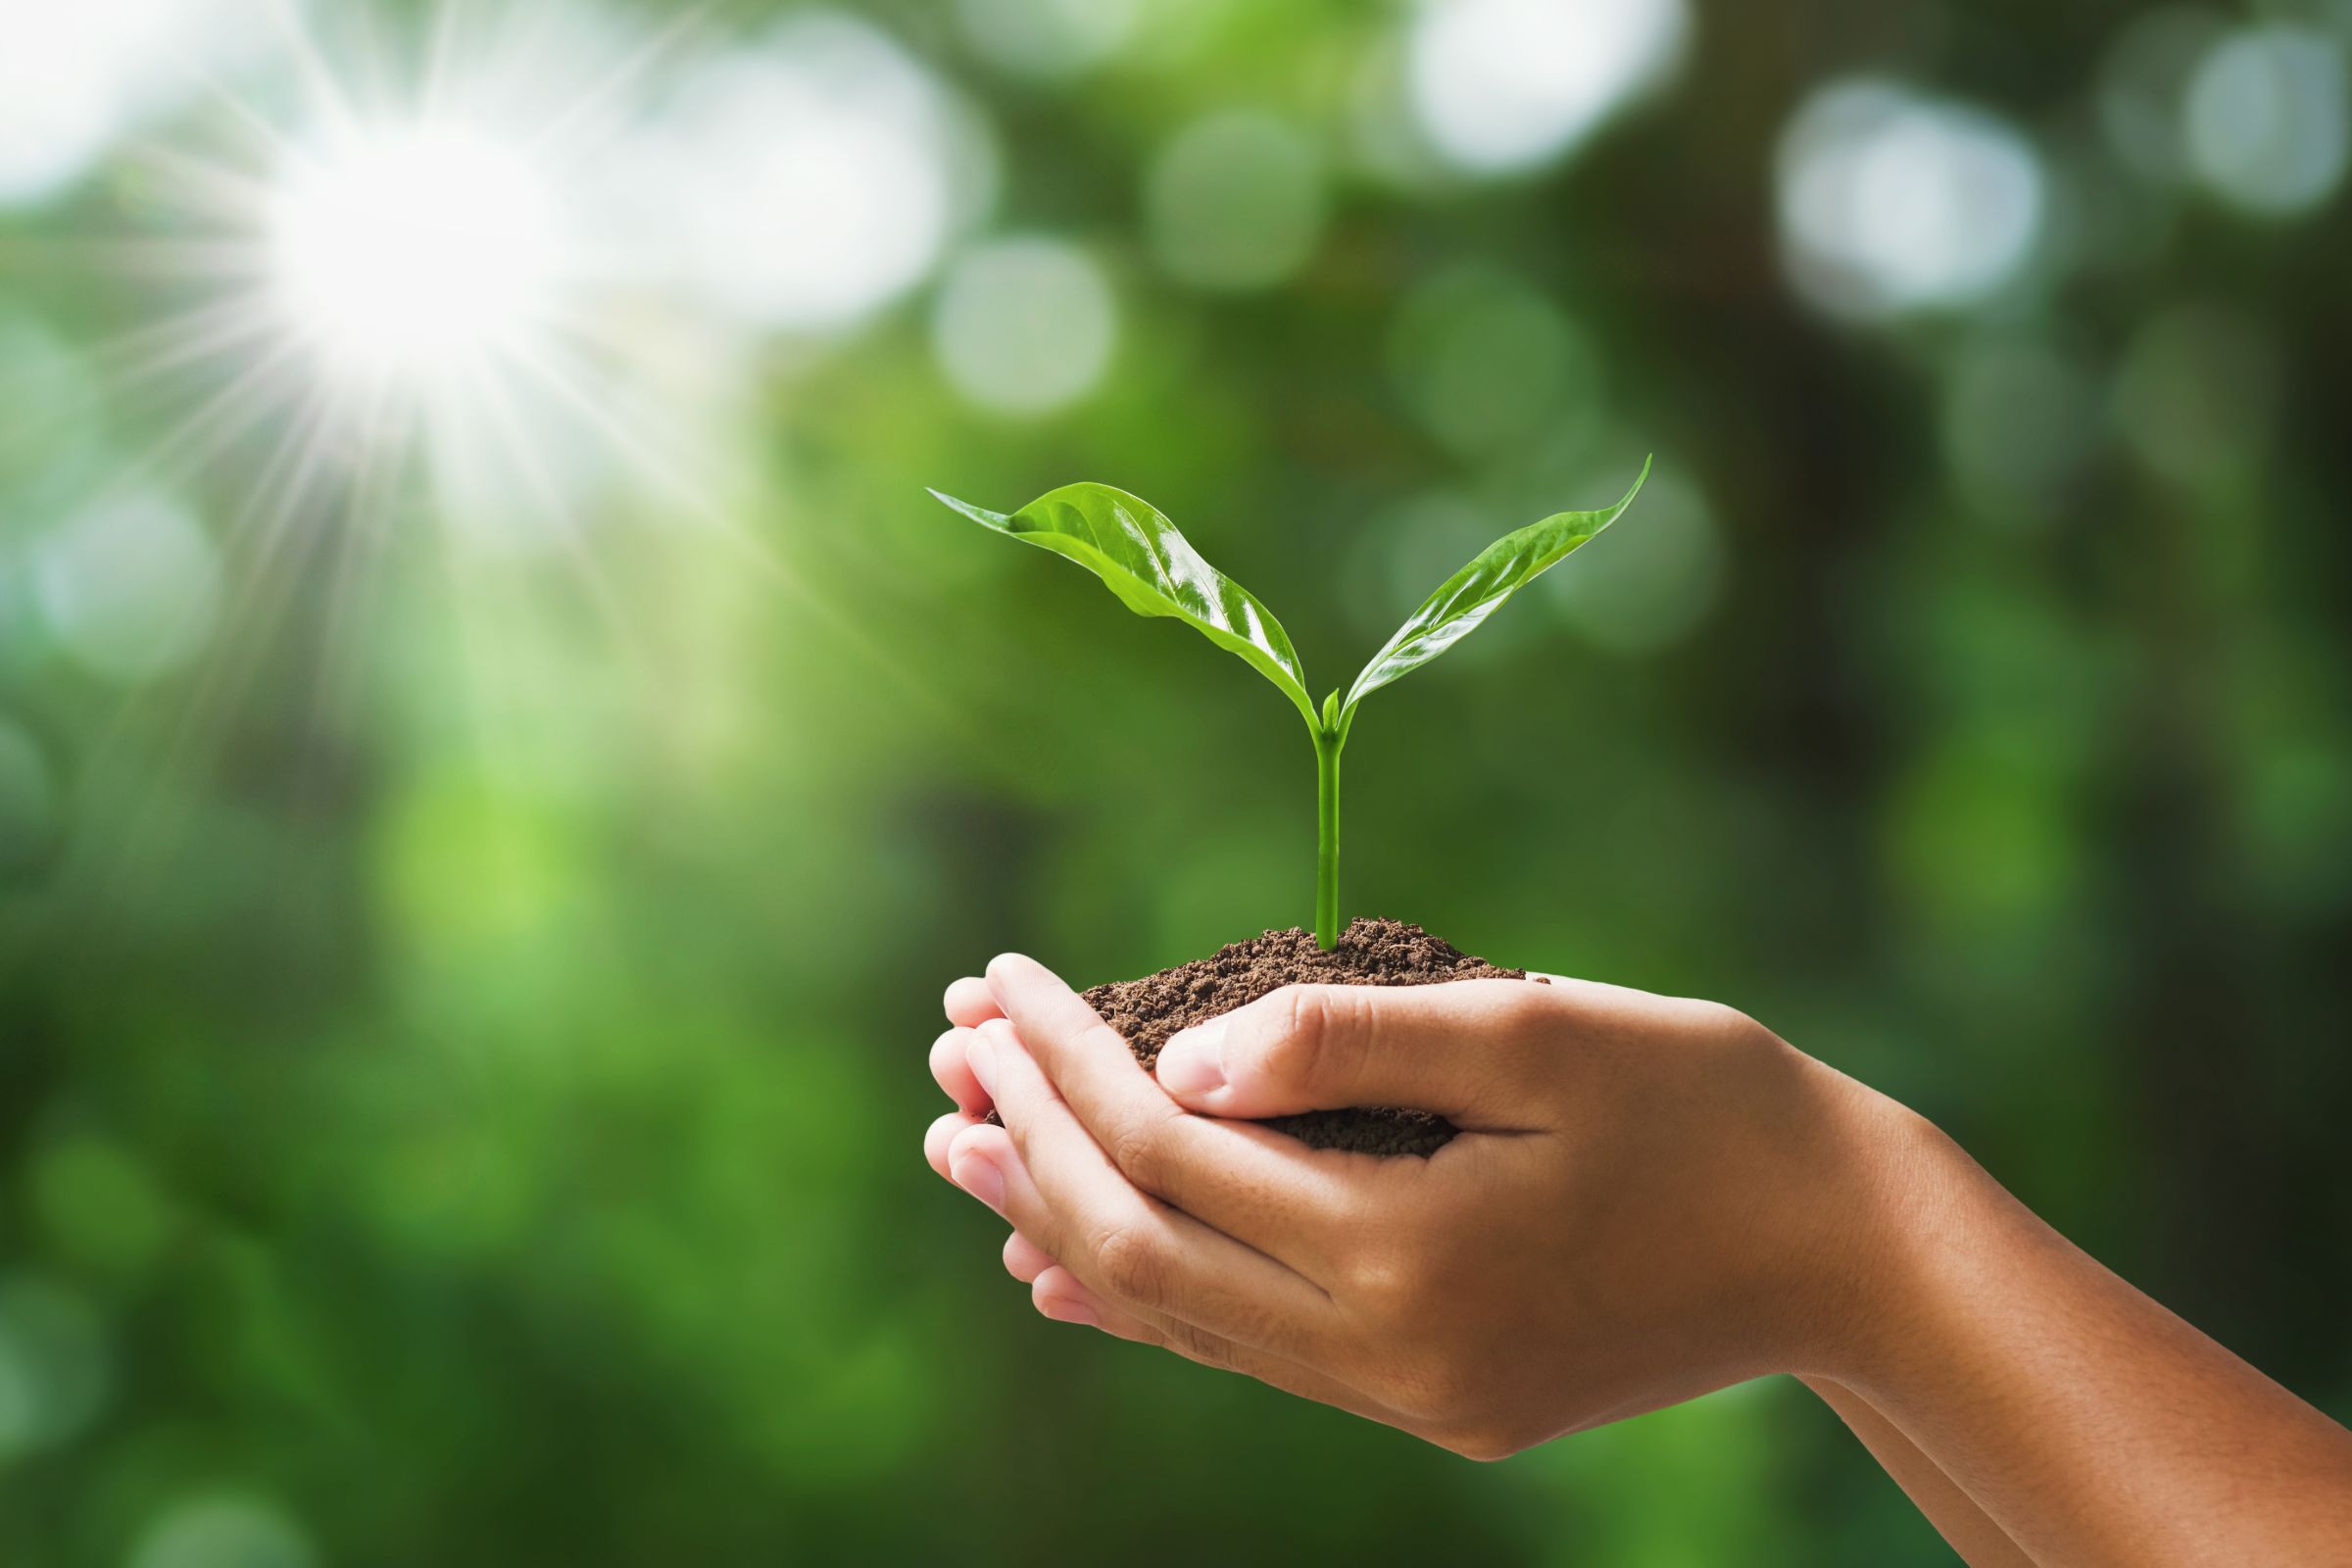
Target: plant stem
pixel 1327 837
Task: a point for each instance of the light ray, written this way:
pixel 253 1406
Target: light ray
pixel 213 425
pixel 348 340
pixel 604 97
pixel 147 353
pixel 603 595
pixel 262 535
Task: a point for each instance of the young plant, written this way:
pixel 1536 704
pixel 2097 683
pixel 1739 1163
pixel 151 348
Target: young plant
pixel 1141 557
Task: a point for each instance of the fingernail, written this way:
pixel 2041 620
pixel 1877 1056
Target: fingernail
pixel 1074 1312
pixel 978 1175
pixel 1193 1062
pixel 981 1056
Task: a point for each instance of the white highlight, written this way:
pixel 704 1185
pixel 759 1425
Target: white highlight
pixel 1505 84
pixel 1892 202
pixel 806 183
pixel 2267 119
pixel 413 251
pixel 74 76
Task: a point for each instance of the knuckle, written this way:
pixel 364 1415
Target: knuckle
pixel 1526 1009
pixel 1717 1017
pixel 1320 1033
pixel 1138 1144
pixel 1133 1260
pixel 1725 1026
pixel 1197 1344
pixel 1384 1284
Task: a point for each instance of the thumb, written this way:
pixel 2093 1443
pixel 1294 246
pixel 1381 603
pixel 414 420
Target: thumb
pixel 1472 1051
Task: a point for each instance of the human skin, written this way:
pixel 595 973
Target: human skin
pixel 1650 1198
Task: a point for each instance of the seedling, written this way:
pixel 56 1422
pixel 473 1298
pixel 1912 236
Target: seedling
pixel 1141 557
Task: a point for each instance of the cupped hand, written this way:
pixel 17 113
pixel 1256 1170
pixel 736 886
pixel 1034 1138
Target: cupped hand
pixel 968 1004
pixel 1649 1198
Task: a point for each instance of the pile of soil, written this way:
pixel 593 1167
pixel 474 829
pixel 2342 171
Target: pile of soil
pixel 1148 1012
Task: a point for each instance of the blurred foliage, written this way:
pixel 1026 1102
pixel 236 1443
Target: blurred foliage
pixel 463 986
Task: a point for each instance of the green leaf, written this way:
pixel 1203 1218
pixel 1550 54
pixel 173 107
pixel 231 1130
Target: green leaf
pixel 1464 601
pixel 1154 570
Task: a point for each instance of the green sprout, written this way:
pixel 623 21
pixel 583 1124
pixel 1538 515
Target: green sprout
pixel 1141 557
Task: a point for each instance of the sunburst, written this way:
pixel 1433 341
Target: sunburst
pixel 377 276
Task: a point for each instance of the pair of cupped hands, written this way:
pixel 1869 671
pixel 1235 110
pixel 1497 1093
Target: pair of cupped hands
pixel 1649 1198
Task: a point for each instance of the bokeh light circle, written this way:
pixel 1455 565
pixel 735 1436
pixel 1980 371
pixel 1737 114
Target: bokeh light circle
pixel 1486 360
pixel 803 183
pixel 1649 581
pixel 1235 202
pixel 1046 40
pixel 2266 119
pixel 1892 202
pixel 224 1529
pixel 73 76
pixel 129 587
pixel 56 1370
pixel 1024 326
pixel 1500 86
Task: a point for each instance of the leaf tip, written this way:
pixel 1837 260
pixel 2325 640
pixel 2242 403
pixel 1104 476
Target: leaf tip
pixel 1640 479
pixel 979 515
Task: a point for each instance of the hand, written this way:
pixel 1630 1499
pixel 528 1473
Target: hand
pixel 1650 1198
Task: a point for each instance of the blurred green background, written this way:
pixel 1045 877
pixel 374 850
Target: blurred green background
pixel 499 755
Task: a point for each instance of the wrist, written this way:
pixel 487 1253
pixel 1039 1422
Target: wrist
pixel 1924 1203
pixel 1901 1195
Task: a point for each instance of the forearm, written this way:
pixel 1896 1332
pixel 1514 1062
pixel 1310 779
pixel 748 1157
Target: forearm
pixel 1967 1527
pixel 2085 1421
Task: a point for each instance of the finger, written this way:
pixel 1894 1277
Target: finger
pixel 1029 1264
pixel 1024 1259
pixel 981 1160
pixel 1156 1262
pixel 970 1004
pixel 1064 1298
pixel 950 1069
pixel 1472 1051
pixel 1059 1294
pixel 1274 1193
pixel 941 1135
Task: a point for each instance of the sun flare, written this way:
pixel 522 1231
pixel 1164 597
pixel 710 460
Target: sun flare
pixel 466 287
pixel 412 251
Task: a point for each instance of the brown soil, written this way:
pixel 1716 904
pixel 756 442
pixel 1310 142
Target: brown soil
pixel 1148 1013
